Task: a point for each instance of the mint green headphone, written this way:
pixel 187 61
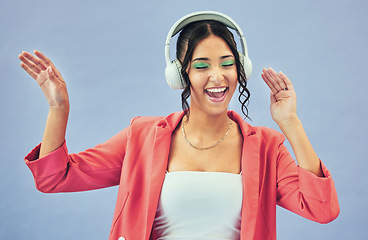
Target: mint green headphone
pixel 173 68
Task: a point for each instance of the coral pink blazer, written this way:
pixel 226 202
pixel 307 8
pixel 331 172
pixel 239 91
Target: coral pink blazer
pixel 136 160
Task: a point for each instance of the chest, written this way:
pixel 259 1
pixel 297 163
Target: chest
pixel 224 157
pixel 199 205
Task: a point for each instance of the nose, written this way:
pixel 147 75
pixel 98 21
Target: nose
pixel 216 75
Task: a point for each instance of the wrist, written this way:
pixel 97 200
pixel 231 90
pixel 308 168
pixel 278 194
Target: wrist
pixel 288 123
pixel 61 109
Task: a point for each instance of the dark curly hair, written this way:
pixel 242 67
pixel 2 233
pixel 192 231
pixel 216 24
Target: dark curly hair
pixel 188 39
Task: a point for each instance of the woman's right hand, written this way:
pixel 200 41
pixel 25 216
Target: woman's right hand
pixel 48 78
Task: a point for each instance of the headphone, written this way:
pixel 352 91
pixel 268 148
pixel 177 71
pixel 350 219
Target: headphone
pixel 173 68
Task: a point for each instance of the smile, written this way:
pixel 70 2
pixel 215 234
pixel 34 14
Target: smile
pixel 216 94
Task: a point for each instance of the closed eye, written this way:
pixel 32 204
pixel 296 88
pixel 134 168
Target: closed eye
pixel 200 65
pixel 227 63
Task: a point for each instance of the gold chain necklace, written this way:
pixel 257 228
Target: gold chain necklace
pixel 204 148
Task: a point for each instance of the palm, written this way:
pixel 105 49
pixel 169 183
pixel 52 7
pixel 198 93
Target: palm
pixel 283 97
pixel 47 77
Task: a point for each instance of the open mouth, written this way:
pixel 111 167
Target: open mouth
pixel 216 94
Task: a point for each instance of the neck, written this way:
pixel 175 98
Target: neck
pixel 203 129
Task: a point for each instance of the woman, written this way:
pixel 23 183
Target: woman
pixel 202 173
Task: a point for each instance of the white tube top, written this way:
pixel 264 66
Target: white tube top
pixel 199 205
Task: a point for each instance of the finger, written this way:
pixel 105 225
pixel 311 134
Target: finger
pixel 48 62
pixel 51 75
pixel 272 80
pixel 282 95
pixel 287 81
pixel 29 64
pixel 29 71
pixel 269 84
pixel 36 61
pixel 272 98
pixel 278 79
pixel 41 56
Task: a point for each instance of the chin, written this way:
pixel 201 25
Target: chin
pixel 214 110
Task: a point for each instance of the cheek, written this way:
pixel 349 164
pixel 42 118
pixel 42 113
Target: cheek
pixel 233 81
pixel 233 78
pixel 196 88
pixel 197 80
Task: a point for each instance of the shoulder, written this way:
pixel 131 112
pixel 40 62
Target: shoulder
pixel 168 122
pixel 262 132
pixel 266 132
pixel 143 120
pixel 148 128
pixel 269 138
pixel 265 135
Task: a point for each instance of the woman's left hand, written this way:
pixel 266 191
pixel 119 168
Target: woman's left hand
pixel 283 111
pixel 283 96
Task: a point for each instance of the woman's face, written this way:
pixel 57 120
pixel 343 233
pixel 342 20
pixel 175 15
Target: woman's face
pixel 213 76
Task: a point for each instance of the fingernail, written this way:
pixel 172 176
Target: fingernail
pixel 49 69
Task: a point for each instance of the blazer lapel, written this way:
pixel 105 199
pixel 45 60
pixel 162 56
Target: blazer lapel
pixel 160 155
pixel 250 168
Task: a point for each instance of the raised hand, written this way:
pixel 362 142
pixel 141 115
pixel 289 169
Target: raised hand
pixel 283 111
pixel 53 86
pixel 283 97
pixel 47 76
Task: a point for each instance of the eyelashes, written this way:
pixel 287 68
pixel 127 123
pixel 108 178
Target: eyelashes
pixel 200 65
pixel 227 63
pixel 204 65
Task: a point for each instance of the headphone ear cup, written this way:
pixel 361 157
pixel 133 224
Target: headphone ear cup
pixel 241 59
pixel 247 65
pixel 173 75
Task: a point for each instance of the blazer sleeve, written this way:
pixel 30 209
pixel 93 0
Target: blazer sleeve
pixel 94 168
pixel 302 192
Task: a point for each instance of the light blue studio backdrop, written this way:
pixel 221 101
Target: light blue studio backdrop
pixel 111 54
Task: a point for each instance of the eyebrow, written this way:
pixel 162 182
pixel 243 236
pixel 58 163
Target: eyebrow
pixel 207 59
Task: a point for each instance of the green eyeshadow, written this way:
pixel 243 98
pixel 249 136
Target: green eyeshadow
pixel 200 65
pixel 228 63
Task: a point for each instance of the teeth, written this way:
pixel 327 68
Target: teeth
pixel 216 89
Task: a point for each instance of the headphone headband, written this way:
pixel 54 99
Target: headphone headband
pixel 194 17
pixel 200 16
